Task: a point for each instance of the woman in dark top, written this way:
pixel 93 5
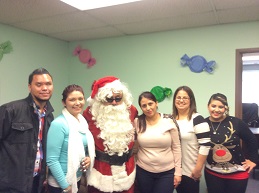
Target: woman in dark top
pixel 227 168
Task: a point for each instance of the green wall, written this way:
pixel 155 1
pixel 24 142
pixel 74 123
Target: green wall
pixel 142 61
pixel 31 51
pixel 148 60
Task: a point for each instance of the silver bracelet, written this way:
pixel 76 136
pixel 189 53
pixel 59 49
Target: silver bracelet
pixel 65 190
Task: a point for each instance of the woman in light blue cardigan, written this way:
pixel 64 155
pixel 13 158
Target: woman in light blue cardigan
pixel 70 144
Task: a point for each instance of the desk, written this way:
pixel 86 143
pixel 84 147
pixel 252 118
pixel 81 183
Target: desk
pixel 255 130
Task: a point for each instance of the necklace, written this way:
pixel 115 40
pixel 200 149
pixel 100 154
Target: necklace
pixel 215 130
pixel 154 120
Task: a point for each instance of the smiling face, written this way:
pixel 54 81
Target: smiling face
pixel 182 101
pixel 148 106
pixel 41 88
pixel 74 103
pixel 217 110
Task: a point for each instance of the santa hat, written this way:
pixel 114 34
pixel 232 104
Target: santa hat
pixel 104 83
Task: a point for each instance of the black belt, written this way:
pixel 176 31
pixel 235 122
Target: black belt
pixel 113 159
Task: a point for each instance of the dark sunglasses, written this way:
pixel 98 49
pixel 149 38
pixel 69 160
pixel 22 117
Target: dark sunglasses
pixel 110 100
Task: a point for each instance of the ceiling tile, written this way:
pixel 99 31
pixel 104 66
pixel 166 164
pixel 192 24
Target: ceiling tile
pixel 62 23
pixel 81 35
pixel 195 20
pixel 58 20
pixel 230 4
pixel 12 11
pixel 239 15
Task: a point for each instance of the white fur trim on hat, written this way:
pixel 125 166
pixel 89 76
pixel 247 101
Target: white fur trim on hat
pixel 116 85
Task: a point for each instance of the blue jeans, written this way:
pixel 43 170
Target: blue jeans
pixel 149 182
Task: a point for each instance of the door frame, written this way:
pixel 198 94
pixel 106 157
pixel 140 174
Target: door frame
pixel 238 84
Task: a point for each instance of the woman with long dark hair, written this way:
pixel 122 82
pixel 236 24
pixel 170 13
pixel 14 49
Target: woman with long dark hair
pixel 159 152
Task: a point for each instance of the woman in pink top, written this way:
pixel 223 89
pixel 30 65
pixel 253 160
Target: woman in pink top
pixel 159 152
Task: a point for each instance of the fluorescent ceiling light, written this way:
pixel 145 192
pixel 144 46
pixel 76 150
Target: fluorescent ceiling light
pixel 93 4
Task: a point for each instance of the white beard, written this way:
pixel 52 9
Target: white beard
pixel 115 125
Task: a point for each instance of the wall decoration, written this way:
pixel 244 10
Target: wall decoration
pixel 198 63
pixel 5 48
pixel 84 56
pixel 161 93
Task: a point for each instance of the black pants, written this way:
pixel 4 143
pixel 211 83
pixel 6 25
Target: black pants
pixel 188 185
pixel 60 190
pixel 35 185
pixel 220 185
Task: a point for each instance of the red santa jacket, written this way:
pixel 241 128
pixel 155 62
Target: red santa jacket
pixel 102 169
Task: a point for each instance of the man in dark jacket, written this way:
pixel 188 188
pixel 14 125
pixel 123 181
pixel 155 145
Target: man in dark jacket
pixel 23 129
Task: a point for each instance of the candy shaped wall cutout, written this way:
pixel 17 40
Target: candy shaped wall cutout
pixel 198 63
pixel 84 56
pixel 5 48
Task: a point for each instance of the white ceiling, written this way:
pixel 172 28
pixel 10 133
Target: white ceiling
pixel 56 19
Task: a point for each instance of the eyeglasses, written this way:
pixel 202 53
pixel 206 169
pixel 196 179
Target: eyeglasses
pixel 182 98
pixel 110 100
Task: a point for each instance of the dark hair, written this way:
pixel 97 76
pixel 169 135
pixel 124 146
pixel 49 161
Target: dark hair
pixel 69 89
pixel 142 118
pixel 193 108
pixel 38 71
pixel 222 98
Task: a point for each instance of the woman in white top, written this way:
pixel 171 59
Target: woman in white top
pixel 159 153
pixel 195 140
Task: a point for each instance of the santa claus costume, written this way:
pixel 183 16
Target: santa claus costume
pixel 113 132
